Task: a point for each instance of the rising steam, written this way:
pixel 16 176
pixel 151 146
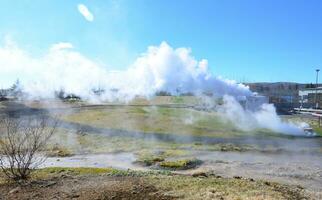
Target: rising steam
pixel 264 118
pixel 161 68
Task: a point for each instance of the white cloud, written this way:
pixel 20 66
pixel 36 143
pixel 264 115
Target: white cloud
pixel 85 12
pixel 61 46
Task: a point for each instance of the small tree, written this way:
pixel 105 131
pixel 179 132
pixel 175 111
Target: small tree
pixel 21 141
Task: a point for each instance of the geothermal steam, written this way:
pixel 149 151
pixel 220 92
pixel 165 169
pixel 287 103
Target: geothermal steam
pixel 161 68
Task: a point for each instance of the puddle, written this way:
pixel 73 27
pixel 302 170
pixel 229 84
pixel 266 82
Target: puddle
pixel 115 160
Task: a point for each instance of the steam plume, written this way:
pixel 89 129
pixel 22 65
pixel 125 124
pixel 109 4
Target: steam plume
pixel 161 68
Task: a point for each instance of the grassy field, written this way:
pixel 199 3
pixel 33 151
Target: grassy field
pixel 186 187
pixel 94 183
pixel 155 119
pixel 66 142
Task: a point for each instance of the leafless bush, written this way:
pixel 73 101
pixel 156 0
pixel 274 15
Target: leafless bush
pixel 21 141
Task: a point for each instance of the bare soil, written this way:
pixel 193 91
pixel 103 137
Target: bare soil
pixel 83 187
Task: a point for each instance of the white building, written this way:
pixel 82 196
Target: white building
pixel 307 95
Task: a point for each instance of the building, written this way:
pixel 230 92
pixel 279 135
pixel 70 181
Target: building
pixel 308 95
pixel 278 93
pixel 253 103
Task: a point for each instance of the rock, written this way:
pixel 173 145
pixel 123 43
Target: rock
pixel 15 190
pixel 198 174
pixel 237 177
pixel 74 196
pixel 300 187
pixel 267 183
pixel 173 195
pixel 50 183
pixel 36 196
pixel 44 183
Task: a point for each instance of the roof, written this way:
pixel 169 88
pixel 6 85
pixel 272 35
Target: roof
pixel 310 89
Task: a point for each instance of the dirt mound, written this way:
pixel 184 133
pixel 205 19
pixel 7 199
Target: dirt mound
pixel 84 187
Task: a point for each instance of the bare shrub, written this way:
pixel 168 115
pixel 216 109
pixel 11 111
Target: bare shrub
pixel 21 141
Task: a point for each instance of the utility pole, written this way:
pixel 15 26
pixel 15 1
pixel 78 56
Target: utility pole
pixel 316 89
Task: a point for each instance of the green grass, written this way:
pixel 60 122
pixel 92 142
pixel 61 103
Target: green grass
pixel 146 151
pixel 74 171
pixel 149 158
pixel 180 164
pixel 186 187
pixel 149 161
pixel 80 171
pixel 153 119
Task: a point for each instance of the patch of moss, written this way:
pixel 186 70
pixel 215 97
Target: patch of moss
pixel 70 171
pixel 147 158
pixel 75 171
pixel 149 161
pixel 180 164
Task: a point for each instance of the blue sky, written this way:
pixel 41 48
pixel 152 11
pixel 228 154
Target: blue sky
pixel 246 40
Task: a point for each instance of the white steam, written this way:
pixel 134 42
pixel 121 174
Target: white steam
pixel 161 68
pixel 264 118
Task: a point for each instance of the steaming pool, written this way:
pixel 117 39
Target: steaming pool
pixel 305 170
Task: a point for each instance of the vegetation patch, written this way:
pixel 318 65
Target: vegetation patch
pixel 156 119
pixel 187 187
pixel 149 161
pixel 58 151
pixel 79 171
pixel 233 147
pixel 72 171
pixel 147 158
pixel 180 164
